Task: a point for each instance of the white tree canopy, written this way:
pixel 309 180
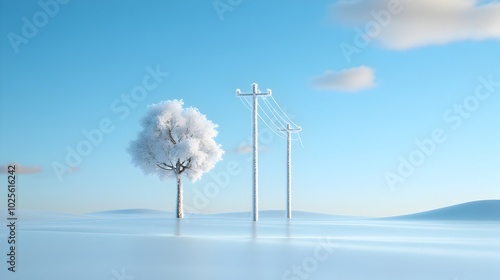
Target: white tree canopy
pixel 172 136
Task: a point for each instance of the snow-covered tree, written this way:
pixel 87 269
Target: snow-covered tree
pixel 175 141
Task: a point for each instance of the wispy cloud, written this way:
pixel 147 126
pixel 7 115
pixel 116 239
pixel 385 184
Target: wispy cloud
pixel 247 149
pixel 347 80
pixel 20 169
pixel 423 22
pixel 243 149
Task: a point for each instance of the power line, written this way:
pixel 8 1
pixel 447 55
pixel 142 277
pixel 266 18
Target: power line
pixel 281 118
pixel 274 130
pixel 268 126
pixel 284 121
pixel 289 130
pixel 255 94
pixel 275 113
pixel 289 120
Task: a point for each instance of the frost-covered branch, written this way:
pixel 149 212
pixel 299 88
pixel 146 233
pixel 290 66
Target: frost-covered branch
pixel 172 134
pixel 165 166
pixel 171 138
pixel 185 165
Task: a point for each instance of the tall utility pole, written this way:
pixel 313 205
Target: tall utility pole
pixel 255 93
pixel 289 131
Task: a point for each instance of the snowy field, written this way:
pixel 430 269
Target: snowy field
pixel 150 245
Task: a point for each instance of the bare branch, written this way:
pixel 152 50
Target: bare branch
pixel 186 133
pixel 167 167
pixel 171 137
pixel 152 155
pixel 187 166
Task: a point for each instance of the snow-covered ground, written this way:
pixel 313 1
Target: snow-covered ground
pixel 149 245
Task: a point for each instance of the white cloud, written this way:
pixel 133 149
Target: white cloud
pixel 19 169
pixel 243 149
pixel 247 149
pixel 416 23
pixel 350 80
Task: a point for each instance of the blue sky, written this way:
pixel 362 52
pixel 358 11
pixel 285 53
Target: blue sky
pixel 361 113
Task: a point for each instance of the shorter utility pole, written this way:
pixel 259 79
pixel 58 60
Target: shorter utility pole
pixel 289 131
pixel 255 93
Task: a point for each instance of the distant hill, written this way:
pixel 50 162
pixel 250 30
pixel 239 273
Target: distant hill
pixel 281 214
pixel 264 214
pixel 131 212
pixel 34 215
pixel 484 210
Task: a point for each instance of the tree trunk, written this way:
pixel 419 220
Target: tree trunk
pixel 180 212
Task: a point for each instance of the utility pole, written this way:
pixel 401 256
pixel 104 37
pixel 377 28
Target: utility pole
pixel 289 131
pixel 255 93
